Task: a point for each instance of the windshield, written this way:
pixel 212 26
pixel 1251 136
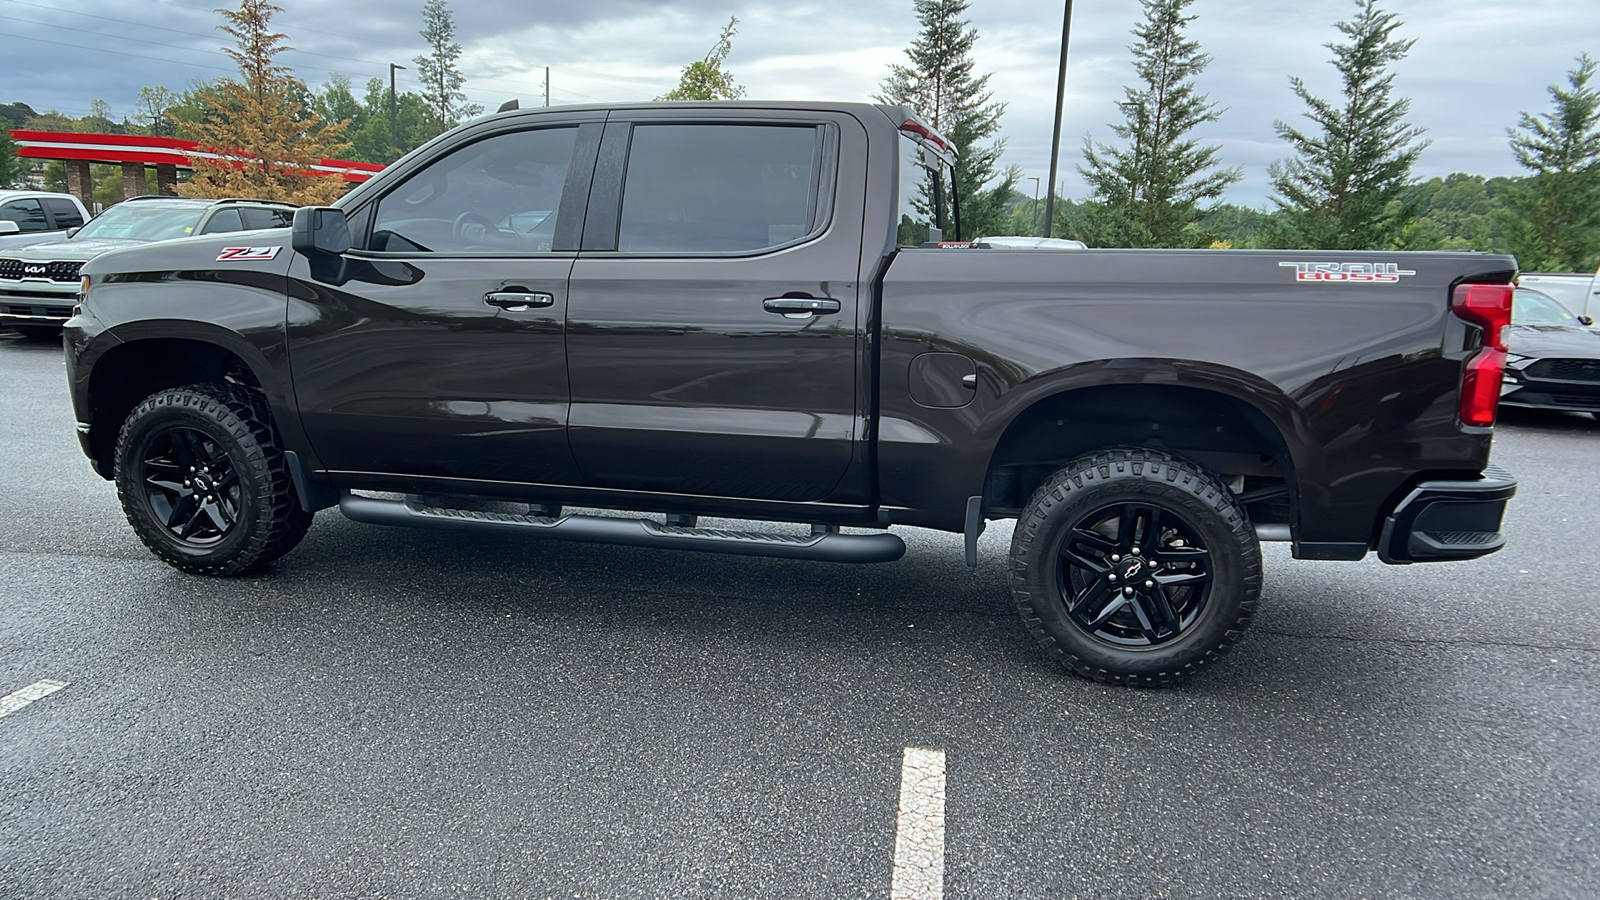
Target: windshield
pixel 142 222
pixel 1534 308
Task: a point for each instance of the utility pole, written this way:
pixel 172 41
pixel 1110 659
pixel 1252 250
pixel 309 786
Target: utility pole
pixel 394 134
pixel 1055 140
pixel 546 85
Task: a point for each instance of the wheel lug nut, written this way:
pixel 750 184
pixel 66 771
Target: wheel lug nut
pixel 1116 558
pixel 1112 576
pixel 1149 584
pixel 1134 551
pixel 1127 592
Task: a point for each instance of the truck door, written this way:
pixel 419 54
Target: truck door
pixel 443 355
pixel 715 321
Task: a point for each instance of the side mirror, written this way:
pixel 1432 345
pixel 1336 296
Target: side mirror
pixel 74 230
pixel 1585 321
pixel 9 227
pixel 320 232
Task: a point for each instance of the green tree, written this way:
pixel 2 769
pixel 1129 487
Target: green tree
pixel 1338 191
pixel 706 79
pixel 940 85
pixel 152 111
pixel 1149 192
pixel 440 77
pixel 1554 215
pixel 12 167
pixel 414 124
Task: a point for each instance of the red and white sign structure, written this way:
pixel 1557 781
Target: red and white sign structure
pixel 154 151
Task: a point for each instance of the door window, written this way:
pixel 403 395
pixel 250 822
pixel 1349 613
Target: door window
pixel 28 215
pixel 265 217
pixel 225 220
pixel 64 212
pixel 499 195
pixel 720 188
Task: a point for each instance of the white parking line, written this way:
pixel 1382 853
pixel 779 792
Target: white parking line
pixel 919 829
pixel 10 703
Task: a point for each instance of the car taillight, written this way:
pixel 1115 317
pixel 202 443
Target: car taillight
pixel 1487 306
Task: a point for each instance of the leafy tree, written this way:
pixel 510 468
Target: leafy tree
pixel 265 138
pixel 1554 215
pixel 12 167
pixel 706 79
pixel 369 139
pixel 14 115
pixel 940 85
pixel 441 79
pixel 1338 191
pixel 1148 193
pixel 151 113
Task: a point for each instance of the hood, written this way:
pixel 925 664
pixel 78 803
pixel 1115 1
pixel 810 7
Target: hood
pixel 203 253
pixel 1546 341
pixel 78 250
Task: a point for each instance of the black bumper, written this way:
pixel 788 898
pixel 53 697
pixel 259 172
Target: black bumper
pixel 1448 520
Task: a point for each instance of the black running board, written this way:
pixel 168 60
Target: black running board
pixel 828 546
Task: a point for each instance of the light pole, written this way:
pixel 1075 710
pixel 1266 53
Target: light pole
pixel 394 135
pixel 1035 180
pixel 1055 140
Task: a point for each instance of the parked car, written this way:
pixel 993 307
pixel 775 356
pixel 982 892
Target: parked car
pixel 39 284
pixel 734 310
pixel 1578 292
pixel 1553 360
pixel 35 217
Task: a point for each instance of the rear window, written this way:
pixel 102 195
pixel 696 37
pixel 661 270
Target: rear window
pixel 922 195
pixel 720 188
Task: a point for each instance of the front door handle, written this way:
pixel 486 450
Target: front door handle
pixel 519 301
pixel 801 305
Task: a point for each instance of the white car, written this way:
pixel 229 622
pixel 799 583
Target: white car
pixel 33 217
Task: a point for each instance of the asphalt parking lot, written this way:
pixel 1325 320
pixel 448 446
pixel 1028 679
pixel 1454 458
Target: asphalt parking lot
pixel 386 713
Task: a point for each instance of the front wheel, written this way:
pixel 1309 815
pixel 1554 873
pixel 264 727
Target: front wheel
pixel 203 482
pixel 1135 567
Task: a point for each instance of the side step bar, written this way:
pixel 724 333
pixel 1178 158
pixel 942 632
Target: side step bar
pixel 827 546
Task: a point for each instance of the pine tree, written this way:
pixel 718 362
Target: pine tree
pixel 1554 219
pixel 706 79
pixel 1340 189
pixel 265 141
pixel 939 84
pixel 441 79
pixel 1148 194
pixel 12 168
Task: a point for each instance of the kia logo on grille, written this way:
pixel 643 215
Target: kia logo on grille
pixel 35 270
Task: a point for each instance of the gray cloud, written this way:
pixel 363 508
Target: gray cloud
pixel 1476 64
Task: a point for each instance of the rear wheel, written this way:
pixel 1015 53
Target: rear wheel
pixel 203 482
pixel 1135 567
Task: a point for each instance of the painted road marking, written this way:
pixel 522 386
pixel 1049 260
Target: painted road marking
pixel 10 703
pixel 919 829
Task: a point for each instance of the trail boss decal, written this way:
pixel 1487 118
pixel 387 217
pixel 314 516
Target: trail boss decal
pixel 1348 273
pixel 247 253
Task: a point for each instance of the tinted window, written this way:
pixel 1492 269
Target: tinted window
pixel 258 217
pixel 498 195
pixel 1534 308
pixel 65 214
pixel 719 188
pixel 224 220
pixel 28 215
pixel 921 195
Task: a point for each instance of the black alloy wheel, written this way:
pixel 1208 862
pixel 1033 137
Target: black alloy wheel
pixel 1134 575
pixel 203 481
pixel 191 485
pixel 1135 567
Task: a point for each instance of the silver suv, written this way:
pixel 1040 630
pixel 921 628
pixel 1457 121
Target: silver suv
pixel 39 284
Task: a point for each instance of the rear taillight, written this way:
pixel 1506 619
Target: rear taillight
pixel 1487 306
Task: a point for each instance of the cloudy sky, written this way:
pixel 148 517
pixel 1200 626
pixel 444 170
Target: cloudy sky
pixel 1476 63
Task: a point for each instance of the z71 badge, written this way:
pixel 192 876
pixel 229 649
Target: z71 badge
pixel 247 253
pixel 1348 273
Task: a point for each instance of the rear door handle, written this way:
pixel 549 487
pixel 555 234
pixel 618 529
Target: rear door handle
pixel 518 301
pixel 801 305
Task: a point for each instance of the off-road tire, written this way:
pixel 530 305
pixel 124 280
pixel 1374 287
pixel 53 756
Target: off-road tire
pixel 1190 496
pixel 237 426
